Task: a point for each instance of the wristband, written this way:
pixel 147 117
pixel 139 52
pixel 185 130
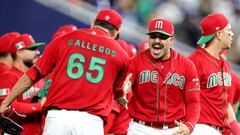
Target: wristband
pixel 235 127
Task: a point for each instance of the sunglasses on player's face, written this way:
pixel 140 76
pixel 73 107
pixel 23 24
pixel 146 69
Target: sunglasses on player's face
pixel 32 49
pixel 158 35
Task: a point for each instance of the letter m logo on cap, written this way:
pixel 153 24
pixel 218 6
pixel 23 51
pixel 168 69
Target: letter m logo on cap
pixel 158 24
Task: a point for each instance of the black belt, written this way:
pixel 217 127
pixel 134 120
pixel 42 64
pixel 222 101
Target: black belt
pixel 155 124
pixel 56 108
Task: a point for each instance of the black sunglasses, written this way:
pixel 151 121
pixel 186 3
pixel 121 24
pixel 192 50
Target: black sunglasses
pixel 160 36
pixel 32 48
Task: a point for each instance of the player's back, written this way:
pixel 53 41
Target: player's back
pixel 87 63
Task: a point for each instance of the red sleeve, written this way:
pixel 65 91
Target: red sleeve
pixel 237 94
pixel 192 81
pixel 192 97
pixel 26 108
pixel 45 63
pixel 192 100
pixel 118 91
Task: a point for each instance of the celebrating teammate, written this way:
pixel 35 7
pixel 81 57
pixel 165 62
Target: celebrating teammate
pixel 165 86
pixel 85 64
pixel 215 76
pixel 6 60
pixel 26 53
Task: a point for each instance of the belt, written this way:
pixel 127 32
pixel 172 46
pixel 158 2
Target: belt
pixel 219 129
pixel 155 124
pixel 55 108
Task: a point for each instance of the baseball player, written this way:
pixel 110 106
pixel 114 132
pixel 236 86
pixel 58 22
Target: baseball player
pixel 233 93
pixel 5 51
pixel 85 64
pixel 215 76
pixel 6 60
pixel 26 54
pixel 64 30
pixel 143 45
pixel 165 86
pixel 118 120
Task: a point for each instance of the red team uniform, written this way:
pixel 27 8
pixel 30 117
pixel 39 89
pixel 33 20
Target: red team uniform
pixel 84 64
pixel 215 76
pixel 24 103
pixel 118 120
pixel 215 80
pixel 75 46
pixel 168 104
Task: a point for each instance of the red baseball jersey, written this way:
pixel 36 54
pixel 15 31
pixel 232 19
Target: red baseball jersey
pixel 130 49
pixel 3 91
pixel 3 68
pixel 215 80
pixel 24 103
pixel 234 91
pixel 161 88
pixel 85 64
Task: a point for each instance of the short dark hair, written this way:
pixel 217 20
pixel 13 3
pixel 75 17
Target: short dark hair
pixel 105 24
pixel 2 55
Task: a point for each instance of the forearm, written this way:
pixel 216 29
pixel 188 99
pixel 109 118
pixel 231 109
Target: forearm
pixel 192 101
pixel 234 125
pixel 231 114
pixel 22 85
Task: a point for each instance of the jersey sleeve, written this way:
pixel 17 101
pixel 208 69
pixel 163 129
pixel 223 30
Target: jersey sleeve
pixel 7 84
pixel 26 108
pixel 192 96
pixel 236 97
pixel 46 62
pixel 192 81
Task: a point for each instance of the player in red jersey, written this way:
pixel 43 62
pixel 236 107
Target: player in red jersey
pixel 143 45
pixel 26 54
pixel 5 51
pixel 64 30
pixel 215 76
pixel 85 64
pixel 165 86
pixel 118 120
pixel 6 60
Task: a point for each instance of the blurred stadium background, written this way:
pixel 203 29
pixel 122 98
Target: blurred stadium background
pixel 41 18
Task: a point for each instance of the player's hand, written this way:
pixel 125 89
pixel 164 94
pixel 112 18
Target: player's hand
pixel 183 129
pixel 42 100
pixel 3 108
pixel 127 84
pixel 123 101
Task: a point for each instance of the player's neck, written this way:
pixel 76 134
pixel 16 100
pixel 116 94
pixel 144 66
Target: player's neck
pixel 7 61
pixel 20 65
pixel 214 50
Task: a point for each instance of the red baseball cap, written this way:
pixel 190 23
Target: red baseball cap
pixel 210 25
pixel 110 16
pixel 161 26
pixel 5 42
pixel 25 41
pixel 64 29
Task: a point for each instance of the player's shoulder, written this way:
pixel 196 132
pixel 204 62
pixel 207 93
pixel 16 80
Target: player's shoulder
pixel 181 59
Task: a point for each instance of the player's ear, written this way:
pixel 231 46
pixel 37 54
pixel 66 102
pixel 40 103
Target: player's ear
pixel 219 34
pixel 116 34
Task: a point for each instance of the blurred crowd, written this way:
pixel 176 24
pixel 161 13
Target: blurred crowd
pixel 185 14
